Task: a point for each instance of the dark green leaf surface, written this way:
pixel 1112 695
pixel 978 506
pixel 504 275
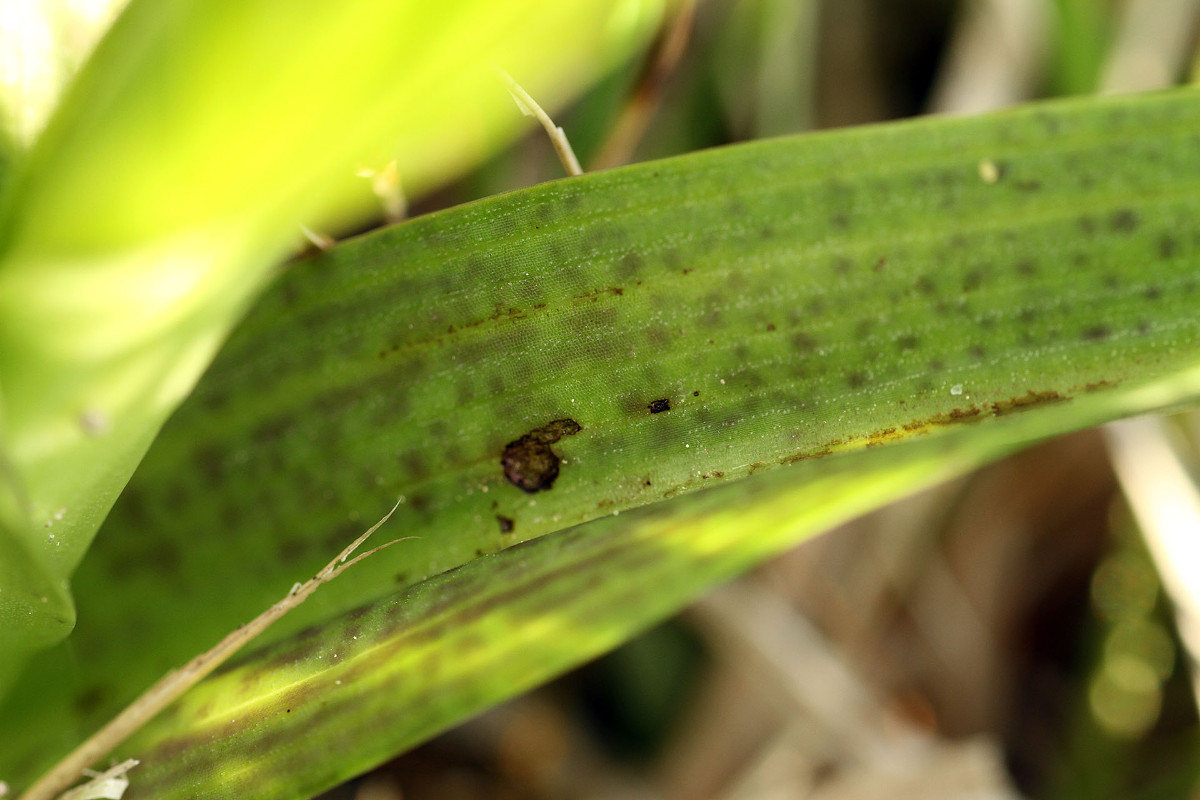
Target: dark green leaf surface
pixel 700 319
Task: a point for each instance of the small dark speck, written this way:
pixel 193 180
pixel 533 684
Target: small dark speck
pixel 506 523
pixel 1052 124
pixel 977 352
pixel 1097 333
pixel 881 263
pixel 925 285
pixel 659 406
pixel 804 343
pixel 1167 246
pixel 856 380
pixel 1026 267
pixel 1124 220
pixel 770 326
pixel 1029 185
pixel 630 265
pixel 908 341
pixel 695 394
pixel 1152 293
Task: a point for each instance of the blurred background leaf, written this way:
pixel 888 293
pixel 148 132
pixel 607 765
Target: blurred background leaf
pixel 43 43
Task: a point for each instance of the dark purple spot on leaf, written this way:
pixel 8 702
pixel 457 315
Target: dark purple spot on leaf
pixel 529 463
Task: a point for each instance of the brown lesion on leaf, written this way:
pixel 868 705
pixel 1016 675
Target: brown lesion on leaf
pixel 796 458
pixel 997 408
pixel 593 295
pixel 529 462
pixel 1027 400
pixel 507 524
pixel 971 413
pixel 959 415
pixel 659 406
pixel 887 434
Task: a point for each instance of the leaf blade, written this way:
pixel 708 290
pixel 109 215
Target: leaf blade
pixel 363 357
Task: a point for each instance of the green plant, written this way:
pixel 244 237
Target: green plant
pixel 852 315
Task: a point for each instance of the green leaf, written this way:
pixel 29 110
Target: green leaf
pixel 1082 35
pixel 173 178
pixel 35 605
pixel 967 284
pixel 392 674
